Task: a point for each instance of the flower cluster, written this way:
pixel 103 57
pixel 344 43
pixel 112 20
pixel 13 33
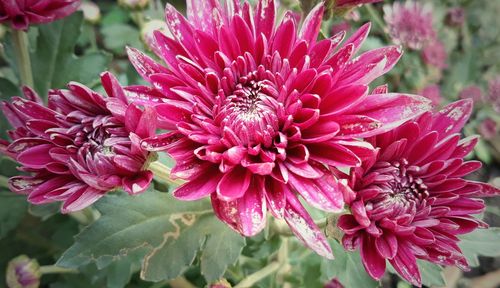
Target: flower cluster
pixel 21 14
pixel 259 114
pixel 409 200
pixel 410 23
pixel 80 146
pixel 259 110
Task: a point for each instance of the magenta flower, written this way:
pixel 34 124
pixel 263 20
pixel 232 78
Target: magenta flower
pixel 258 111
pixel 471 92
pixel 455 16
pixel 410 23
pixel 22 13
pixel 488 128
pixel 79 147
pixel 433 93
pixel 493 96
pixel 434 53
pixel 410 201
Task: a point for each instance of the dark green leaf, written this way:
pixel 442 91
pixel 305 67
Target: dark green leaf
pixel 432 274
pixel 347 268
pixel 171 231
pixel 482 242
pixel 12 210
pixel 54 62
pixel 117 36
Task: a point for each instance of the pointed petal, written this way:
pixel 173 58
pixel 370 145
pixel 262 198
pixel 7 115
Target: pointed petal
pixel 304 228
pixel 199 187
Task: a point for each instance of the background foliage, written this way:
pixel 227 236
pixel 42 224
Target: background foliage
pixel 135 242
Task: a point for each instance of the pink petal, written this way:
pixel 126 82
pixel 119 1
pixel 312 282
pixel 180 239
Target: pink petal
pixel 247 214
pixel 373 262
pixel 200 187
pixel 275 196
pixel 405 264
pixel 265 17
pixel 144 65
pixel 452 118
pixel 304 228
pixel 312 24
pixel 234 184
pixel 139 183
pixel 391 109
pixel 81 199
pixel 36 156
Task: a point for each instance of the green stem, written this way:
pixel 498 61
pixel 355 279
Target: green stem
pixel 283 260
pixel 21 44
pixel 52 269
pixel 162 173
pixel 259 275
pixel 93 38
pixel 376 19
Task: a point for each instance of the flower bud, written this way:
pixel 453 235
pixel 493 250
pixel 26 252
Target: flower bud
pixel 473 92
pixel 455 16
pixel 147 32
pixel 23 272
pixel 133 4
pixel 334 283
pixel 91 12
pixel 222 283
pixel 488 128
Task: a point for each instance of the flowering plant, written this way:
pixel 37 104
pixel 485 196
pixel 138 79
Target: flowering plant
pixel 245 143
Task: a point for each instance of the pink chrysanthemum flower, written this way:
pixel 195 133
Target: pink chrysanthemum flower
pixel 471 92
pixel 410 23
pixel 258 111
pixel 488 128
pixel 22 13
pixel 79 147
pixel 493 96
pixel 410 201
pixel 433 93
pixel 434 53
pixel 455 16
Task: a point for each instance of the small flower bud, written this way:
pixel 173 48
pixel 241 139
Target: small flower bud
pixel 23 272
pixel 134 4
pixel 147 32
pixel 91 12
pixel 488 128
pixel 334 283
pixel 455 16
pixel 222 283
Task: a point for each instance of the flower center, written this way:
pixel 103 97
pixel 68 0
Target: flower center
pixel 250 113
pixel 404 185
pixel 94 136
pixel 402 191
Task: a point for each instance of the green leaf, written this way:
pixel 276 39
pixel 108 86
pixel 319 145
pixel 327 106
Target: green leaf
pixel 482 242
pixel 7 90
pixel 54 63
pixel 172 232
pixel 117 36
pixel 12 210
pixel 347 268
pixel 432 274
